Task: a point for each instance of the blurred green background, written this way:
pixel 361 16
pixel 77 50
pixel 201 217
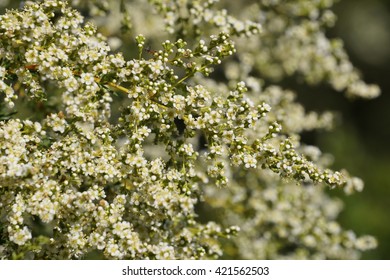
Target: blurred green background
pixel 361 141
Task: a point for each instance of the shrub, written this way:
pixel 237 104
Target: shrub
pixel 182 146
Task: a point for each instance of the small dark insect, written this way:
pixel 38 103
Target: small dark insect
pixel 180 125
pixel 149 50
pixel 31 67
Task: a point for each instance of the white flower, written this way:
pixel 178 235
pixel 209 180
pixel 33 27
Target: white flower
pixel 20 236
pixel 57 123
pixel 250 161
pixel 220 19
pixel 2 72
pixel 87 78
pixel 71 84
pixel 156 67
pixel 179 102
pixel 187 149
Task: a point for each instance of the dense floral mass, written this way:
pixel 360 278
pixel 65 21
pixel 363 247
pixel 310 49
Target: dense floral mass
pixel 123 155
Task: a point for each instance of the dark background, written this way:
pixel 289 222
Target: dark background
pixel 360 141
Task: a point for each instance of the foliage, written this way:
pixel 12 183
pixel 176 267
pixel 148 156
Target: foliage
pixel 189 149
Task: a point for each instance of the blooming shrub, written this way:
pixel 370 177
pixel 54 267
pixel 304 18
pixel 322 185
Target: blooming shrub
pixel 187 150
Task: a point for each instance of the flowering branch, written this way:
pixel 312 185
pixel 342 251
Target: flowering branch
pixel 127 182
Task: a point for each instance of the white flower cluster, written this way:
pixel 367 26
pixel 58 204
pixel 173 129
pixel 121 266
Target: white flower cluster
pixel 285 221
pixel 293 42
pixel 122 152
